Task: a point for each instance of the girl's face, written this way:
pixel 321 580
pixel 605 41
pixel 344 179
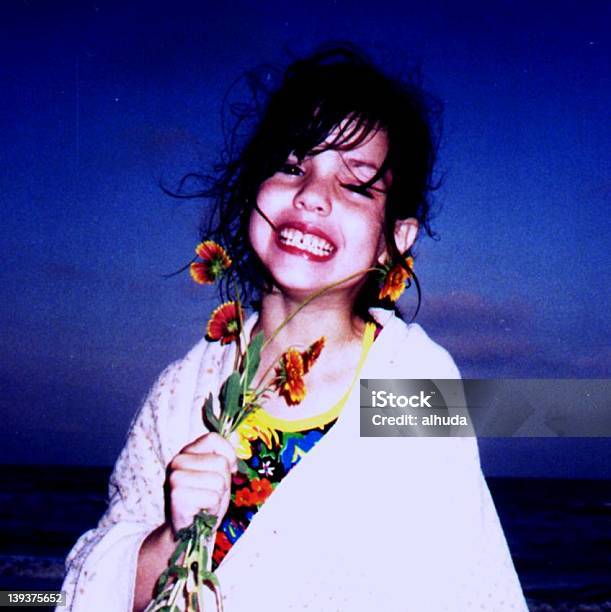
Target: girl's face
pixel 327 225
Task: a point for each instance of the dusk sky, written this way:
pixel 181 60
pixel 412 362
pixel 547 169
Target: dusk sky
pixel 102 101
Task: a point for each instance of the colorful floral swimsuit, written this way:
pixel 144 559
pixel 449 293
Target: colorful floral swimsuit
pixel 270 448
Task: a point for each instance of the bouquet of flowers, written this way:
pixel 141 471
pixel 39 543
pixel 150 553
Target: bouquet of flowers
pixel 188 568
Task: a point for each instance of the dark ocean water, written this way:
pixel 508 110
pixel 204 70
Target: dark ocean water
pixel 559 531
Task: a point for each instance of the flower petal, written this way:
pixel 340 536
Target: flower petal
pixel 214 262
pixel 289 377
pixel 312 354
pixel 394 282
pixel 210 250
pixel 199 273
pixel 224 323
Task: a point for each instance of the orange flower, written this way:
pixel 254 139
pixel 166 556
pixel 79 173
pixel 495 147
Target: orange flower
pixel 244 497
pixel 261 490
pixel 289 377
pixel 224 323
pixel 311 355
pixel 394 281
pixel 215 262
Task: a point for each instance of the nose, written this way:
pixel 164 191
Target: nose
pixel 314 196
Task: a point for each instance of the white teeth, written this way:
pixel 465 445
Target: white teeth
pixel 307 242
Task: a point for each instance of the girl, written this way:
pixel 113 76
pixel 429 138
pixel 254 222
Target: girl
pixel 335 179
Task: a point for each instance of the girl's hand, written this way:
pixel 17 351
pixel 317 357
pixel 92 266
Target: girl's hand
pixel 199 478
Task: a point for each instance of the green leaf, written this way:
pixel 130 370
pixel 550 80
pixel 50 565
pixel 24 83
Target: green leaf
pixel 230 395
pixel 178 571
pixel 204 563
pixel 253 357
pixel 246 470
pixel 205 522
pixel 185 533
pixel 211 577
pixel 210 420
pixel 162 599
pixel 266 452
pixel 161 582
pixel 178 551
pixel 243 466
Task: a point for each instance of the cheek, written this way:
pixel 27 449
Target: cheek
pixel 261 228
pixel 267 195
pixel 373 233
pixel 256 231
pixel 257 225
pixel 251 227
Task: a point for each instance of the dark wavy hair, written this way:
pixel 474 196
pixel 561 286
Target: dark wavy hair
pixel 314 97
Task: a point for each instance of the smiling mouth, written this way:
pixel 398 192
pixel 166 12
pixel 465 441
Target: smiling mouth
pixel 303 242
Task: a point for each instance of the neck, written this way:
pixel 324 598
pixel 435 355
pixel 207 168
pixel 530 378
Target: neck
pixel 326 315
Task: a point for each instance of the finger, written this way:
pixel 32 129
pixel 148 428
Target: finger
pixel 203 463
pixel 213 443
pixel 201 481
pixel 188 502
pixel 195 500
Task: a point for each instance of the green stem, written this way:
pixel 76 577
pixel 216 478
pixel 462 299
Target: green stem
pixel 187 564
pixel 200 559
pixel 227 431
pixel 239 303
pixel 194 550
pixel 239 356
pixel 272 365
pixel 238 350
pixel 313 296
pixel 178 587
pixel 219 599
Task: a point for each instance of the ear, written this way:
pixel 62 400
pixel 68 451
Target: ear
pixel 406 231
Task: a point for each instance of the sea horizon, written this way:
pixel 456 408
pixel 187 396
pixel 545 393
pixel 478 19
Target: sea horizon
pixel 557 530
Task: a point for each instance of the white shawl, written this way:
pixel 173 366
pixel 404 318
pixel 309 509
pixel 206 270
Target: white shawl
pixel 387 524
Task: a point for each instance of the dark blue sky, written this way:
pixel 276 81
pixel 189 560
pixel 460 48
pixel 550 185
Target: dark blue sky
pixel 101 100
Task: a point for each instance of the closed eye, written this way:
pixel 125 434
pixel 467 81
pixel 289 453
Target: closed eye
pixel 360 189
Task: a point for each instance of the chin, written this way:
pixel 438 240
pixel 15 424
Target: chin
pixel 301 286
pixel 297 288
